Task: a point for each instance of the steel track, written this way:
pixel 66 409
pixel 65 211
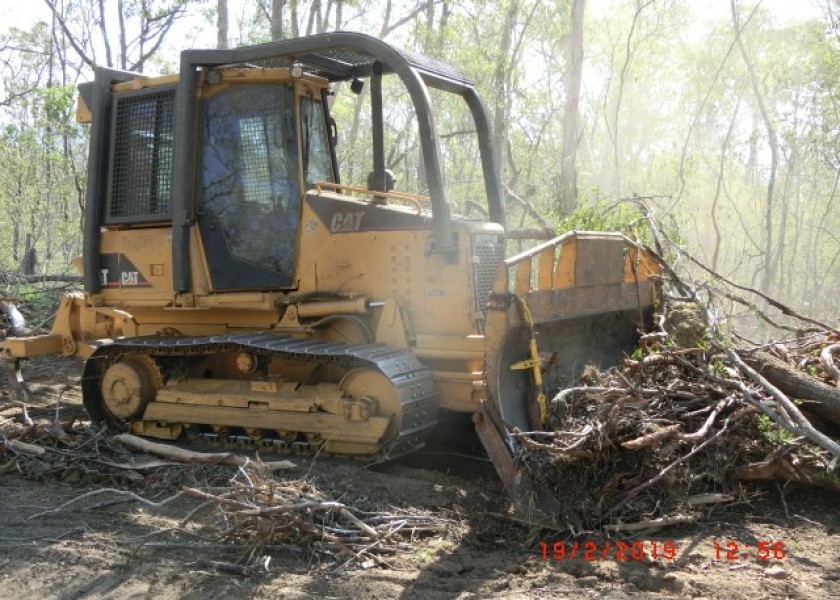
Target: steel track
pixel 412 381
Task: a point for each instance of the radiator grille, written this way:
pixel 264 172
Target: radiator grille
pixel 488 252
pixel 141 169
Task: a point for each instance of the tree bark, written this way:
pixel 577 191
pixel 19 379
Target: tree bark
pixel 500 100
pixel 780 468
pixel 222 24
pixel 277 20
pixel 571 83
pixel 819 398
pixel 724 149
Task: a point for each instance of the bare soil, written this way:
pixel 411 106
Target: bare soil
pixel 103 547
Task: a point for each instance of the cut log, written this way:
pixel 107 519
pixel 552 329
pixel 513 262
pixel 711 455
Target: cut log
pixel 779 468
pixel 820 398
pixel 827 362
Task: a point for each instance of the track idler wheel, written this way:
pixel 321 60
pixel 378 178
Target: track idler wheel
pixel 370 391
pixel 128 386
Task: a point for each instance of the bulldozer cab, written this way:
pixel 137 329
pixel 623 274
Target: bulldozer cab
pixel 234 142
pixel 261 140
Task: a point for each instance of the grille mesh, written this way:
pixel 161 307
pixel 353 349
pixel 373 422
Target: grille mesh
pixel 489 251
pixel 141 174
pixel 257 171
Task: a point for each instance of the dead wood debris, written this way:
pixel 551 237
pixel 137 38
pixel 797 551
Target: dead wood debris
pixel 651 436
pixel 228 500
pixel 692 414
pixel 260 512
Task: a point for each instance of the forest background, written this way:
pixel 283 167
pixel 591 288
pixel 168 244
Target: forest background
pixel 724 115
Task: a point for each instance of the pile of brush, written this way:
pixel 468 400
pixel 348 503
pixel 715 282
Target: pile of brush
pixel 674 429
pixel 690 416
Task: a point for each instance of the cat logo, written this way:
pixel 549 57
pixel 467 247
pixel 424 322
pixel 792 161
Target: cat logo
pixel 349 221
pixel 129 278
pixel 118 271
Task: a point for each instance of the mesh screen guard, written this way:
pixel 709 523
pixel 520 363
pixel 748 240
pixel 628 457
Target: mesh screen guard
pixel 140 186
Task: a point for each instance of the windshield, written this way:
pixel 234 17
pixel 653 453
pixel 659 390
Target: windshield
pixel 249 175
pixel 317 162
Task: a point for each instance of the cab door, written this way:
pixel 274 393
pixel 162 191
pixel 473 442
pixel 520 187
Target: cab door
pixel 248 201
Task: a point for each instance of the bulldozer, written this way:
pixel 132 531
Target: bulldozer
pixel 236 289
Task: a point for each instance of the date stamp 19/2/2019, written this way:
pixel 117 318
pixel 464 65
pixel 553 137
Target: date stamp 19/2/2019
pixel 763 550
pixel 607 550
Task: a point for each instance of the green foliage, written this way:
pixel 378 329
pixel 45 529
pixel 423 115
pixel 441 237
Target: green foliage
pixel 605 216
pixel 43 152
pixel 772 432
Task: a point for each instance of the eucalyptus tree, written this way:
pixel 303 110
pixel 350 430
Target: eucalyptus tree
pixel 571 116
pixel 122 34
pixel 42 152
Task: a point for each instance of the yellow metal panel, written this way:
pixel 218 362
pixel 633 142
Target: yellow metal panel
pixel 546 268
pixel 142 248
pixel 21 347
pixel 502 279
pixel 83 114
pixel 639 265
pixel 522 279
pixel 138 83
pixel 443 354
pixel 327 425
pixel 460 396
pixel 474 343
pixel 564 271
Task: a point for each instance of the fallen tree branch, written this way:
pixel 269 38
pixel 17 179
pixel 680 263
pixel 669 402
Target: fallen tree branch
pixel 99 492
pixel 627 496
pixel 652 439
pixel 652 524
pixel 197 458
pixel 228 568
pixel 801 425
pixel 784 309
pixel 702 499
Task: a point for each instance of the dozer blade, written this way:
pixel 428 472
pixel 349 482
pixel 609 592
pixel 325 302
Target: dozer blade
pixel 579 299
pixel 534 504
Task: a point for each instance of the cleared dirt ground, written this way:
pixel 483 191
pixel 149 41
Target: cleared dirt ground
pixel 101 547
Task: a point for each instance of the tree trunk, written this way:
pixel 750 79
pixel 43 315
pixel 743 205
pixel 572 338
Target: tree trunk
pixel 629 51
pixel 768 271
pixel 819 398
pixel 724 150
pixel 500 113
pixel 109 62
pixel 277 20
pixel 568 199
pixel 222 24
pixel 780 468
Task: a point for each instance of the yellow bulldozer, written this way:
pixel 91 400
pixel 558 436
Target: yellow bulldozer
pixel 235 287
